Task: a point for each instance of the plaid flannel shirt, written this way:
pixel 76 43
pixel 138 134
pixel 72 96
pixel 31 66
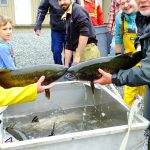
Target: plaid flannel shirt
pixel 114 9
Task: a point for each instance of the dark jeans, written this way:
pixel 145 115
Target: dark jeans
pixel 57 45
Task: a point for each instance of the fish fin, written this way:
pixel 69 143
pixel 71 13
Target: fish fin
pixel 16 134
pixel 53 130
pixel 35 119
pixel 92 86
pixel 10 139
pixel 4 70
pixel 47 93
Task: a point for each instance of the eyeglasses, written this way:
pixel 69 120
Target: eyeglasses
pixel 127 2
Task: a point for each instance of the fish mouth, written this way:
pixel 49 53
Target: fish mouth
pixel 70 76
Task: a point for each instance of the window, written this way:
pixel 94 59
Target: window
pixel 3 2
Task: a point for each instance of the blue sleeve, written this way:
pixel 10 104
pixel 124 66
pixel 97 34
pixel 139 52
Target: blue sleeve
pixel 118 37
pixel 6 61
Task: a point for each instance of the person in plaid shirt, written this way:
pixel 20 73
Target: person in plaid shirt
pixel 114 9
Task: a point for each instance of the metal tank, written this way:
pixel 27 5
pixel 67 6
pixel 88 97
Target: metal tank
pixel 70 95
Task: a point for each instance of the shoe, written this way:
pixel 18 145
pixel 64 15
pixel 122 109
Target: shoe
pixel 69 77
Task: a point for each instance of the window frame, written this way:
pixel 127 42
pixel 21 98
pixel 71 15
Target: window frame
pixel 1 5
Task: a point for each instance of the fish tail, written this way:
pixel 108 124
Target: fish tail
pixel 92 87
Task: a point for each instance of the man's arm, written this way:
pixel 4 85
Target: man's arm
pixel 68 51
pixel 82 23
pixel 81 46
pixel 42 11
pixel 68 56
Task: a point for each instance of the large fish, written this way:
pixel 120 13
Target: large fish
pixel 49 126
pixel 88 70
pixel 26 76
pixel 19 135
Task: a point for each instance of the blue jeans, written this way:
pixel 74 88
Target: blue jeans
pixel 58 41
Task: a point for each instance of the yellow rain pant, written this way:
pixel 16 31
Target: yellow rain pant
pixel 130 92
pixel 91 51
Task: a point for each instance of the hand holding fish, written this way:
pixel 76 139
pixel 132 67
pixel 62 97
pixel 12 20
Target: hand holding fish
pixel 42 88
pixel 105 79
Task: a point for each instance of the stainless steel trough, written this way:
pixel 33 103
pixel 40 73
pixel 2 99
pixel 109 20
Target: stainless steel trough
pixel 69 95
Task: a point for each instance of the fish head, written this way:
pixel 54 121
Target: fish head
pixel 86 71
pixel 53 72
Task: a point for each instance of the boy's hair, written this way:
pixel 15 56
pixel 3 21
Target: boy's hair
pixel 4 20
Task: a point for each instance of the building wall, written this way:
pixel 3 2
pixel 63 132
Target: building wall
pixel 22 12
pixel 8 10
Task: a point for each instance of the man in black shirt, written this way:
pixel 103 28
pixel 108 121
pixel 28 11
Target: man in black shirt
pixel 81 37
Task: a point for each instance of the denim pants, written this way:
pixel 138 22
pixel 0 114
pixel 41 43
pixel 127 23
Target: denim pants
pixel 58 40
